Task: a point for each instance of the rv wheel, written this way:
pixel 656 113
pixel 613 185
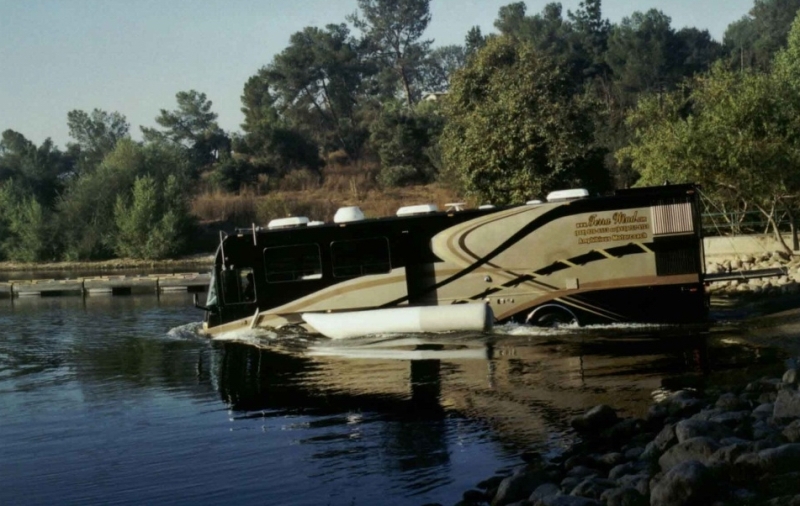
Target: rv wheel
pixel 552 316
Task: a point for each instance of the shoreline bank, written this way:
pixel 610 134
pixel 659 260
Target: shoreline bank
pixel 738 446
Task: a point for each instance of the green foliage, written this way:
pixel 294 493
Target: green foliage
pixel 153 223
pixel 96 135
pixel 38 171
pixel 392 32
pixel 735 133
pixel 515 129
pixel 193 126
pixel 86 210
pixel 28 232
pixel 310 89
pixel 403 139
pixel 753 41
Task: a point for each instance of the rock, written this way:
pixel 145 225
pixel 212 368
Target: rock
pixel 641 482
pixel 633 453
pixel 729 419
pixel 592 487
pixel 687 483
pixel 730 402
pixel 582 472
pixel 595 420
pixel 625 496
pixel 787 404
pixel 570 482
pixel 683 402
pixel 544 490
pixel 688 429
pixel 490 483
pixel 474 497
pixel 696 449
pixel 763 385
pixel 518 486
pixel 781 459
pixel 657 413
pixel 727 455
pixel 567 500
pixel 618 471
pixel 665 438
pixel 792 432
pixel 610 460
pixel 623 430
pixel 780 484
pixel 764 410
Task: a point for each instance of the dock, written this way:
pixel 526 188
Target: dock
pixel 106 285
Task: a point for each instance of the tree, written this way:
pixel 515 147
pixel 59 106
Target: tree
pixel 735 134
pixel 393 35
pixel 474 41
pixel 515 128
pixel 312 87
pixel 38 171
pixel 440 65
pixel 404 140
pixel 193 126
pixel 753 41
pixel 86 209
pixel 96 134
pixel 27 231
pixel 153 221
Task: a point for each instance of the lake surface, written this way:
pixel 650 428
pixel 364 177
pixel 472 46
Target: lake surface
pixel 118 400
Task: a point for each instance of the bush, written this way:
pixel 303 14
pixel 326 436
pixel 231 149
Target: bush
pixel 398 175
pixel 154 222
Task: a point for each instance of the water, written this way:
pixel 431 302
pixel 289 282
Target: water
pixel 118 400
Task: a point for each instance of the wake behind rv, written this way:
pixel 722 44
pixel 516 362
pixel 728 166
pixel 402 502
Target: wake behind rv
pixel 635 256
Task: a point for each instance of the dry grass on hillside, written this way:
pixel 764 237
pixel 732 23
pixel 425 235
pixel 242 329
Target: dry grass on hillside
pixel 304 194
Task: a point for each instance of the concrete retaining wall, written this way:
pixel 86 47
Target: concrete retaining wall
pixel 743 245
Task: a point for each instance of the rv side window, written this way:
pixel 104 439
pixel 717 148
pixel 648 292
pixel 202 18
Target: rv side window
pixel 238 286
pixel 299 262
pixel 360 257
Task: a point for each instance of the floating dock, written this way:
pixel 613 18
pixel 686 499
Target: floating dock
pixel 105 285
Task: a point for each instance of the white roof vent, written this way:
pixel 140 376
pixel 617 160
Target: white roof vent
pixel 535 202
pixel 486 206
pixel 348 214
pixel 315 223
pixel 420 209
pixel 575 193
pixel 455 206
pixel 293 221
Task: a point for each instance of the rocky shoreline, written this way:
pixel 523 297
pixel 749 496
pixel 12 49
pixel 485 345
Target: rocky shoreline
pixel 789 283
pixel 739 447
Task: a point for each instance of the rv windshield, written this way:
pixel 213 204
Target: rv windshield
pixel 238 285
pixel 211 299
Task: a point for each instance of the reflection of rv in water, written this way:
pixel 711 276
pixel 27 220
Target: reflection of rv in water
pixel 635 256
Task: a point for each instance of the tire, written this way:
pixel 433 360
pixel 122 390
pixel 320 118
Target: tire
pixel 552 317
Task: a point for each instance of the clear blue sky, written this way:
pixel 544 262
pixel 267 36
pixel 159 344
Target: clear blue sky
pixel 133 56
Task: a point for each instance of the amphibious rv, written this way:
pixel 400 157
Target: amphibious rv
pixel 635 256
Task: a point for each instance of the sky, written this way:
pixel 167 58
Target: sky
pixel 134 56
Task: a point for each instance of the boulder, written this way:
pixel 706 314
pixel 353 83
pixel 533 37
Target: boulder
pixel 625 496
pixel 641 482
pixel 688 429
pixel 792 432
pixel 543 491
pixel 781 459
pixel 592 487
pixel 518 486
pixel 730 402
pixel 787 404
pixel 688 483
pixel 764 410
pixel 780 484
pixel 567 500
pixel 682 403
pixel 727 455
pixel 790 377
pixel 695 449
pixel 595 420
